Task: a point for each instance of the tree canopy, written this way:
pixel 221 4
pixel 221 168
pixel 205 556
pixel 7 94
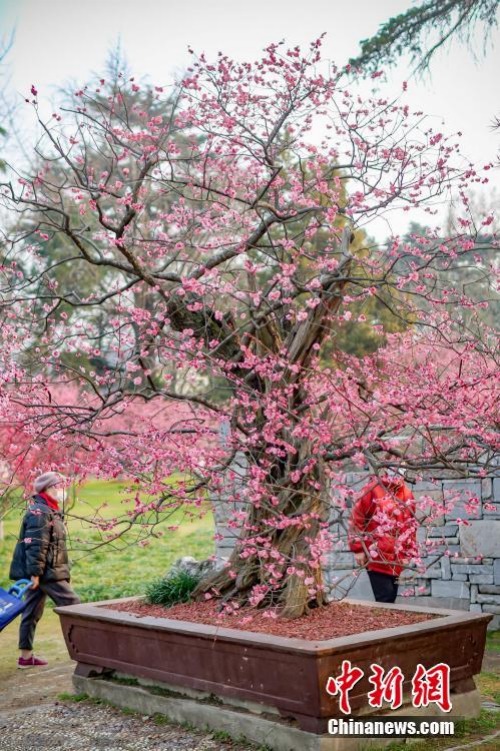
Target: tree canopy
pixel 219 230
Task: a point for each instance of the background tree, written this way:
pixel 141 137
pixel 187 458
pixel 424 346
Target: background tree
pixel 6 106
pixel 425 28
pixel 228 246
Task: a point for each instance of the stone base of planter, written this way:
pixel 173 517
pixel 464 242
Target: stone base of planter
pixel 256 723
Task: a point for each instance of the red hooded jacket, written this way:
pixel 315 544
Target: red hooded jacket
pixel 383 518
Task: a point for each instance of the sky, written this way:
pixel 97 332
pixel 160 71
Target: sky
pixel 60 40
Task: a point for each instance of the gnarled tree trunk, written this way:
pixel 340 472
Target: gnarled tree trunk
pixel 308 508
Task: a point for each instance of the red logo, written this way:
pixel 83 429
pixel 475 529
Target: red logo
pixel 342 685
pixel 431 685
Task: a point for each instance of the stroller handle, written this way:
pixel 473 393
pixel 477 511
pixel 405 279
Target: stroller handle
pixel 20 587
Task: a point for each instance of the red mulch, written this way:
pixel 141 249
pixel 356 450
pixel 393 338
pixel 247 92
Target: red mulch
pixel 334 620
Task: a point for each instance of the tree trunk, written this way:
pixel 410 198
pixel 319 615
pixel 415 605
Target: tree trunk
pixel 288 593
pixel 297 501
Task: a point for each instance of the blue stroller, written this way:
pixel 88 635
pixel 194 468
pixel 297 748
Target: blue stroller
pixel 12 603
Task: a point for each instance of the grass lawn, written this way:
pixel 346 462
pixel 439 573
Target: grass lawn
pixel 493 641
pixel 122 568
pixel 119 569
pixel 468 734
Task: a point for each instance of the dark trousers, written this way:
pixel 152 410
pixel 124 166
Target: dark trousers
pixel 60 592
pixel 385 586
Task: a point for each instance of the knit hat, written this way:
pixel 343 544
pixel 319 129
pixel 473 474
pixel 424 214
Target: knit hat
pixel 47 480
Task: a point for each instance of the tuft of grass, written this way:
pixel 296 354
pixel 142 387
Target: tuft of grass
pixel 221 735
pixel 160 691
pixel 172 589
pixel 67 696
pixel 124 681
pixel 188 726
pixel 161 719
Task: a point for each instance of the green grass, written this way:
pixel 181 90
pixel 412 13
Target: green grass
pixel 493 641
pixel 489 686
pixel 123 567
pixel 172 589
pixel 467 730
pixel 66 696
pixel 116 570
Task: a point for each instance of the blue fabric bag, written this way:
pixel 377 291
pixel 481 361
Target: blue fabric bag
pixel 12 603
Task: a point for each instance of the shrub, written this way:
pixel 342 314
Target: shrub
pixel 174 588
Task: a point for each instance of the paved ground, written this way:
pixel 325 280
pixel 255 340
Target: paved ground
pixel 73 726
pixel 32 718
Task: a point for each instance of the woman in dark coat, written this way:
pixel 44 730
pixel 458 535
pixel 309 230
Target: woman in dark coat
pixel 41 555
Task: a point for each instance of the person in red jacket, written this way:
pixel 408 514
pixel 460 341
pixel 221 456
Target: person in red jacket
pixel 383 533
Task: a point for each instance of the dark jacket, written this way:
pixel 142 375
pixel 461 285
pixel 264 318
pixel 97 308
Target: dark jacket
pixel 41 547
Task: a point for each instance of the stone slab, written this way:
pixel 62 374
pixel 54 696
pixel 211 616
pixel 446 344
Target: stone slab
pixel 481 578
pixel 468 486
pixel 468 568
pixel 462 509
pixel 473 593
pixel 496 572
pixel 490 599
pixel 491 609
pixel 447 530
pixel 446 549
pixel 445 567
pixel 449 603
pixel 496 490
pixel 350 583
pixel 489 589
pixel 434 571
pixel 486 488
pixel 274 734
pixel 481 538
pixel 456 589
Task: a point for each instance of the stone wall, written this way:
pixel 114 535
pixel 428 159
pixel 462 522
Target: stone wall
pixel 463 563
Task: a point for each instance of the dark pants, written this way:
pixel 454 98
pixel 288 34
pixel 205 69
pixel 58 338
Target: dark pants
pixel 385 586
pixel 60 592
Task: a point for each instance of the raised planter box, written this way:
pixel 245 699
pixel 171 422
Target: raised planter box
pixel 281 676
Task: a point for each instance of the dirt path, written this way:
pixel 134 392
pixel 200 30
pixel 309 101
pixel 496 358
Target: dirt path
pixel 30 688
